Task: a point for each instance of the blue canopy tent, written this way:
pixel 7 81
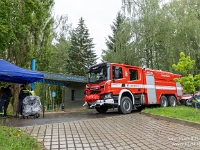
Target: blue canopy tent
pixel 12 73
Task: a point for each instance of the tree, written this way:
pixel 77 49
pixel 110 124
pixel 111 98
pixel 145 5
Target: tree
pixel 119 43
pixel 111 41
pixel 57 56
pixel 6 32
pixel 26 33
pixel 163 29
pixel 145 18
pixel 189 82
pixel 81 53
pixel 30 27
pixel 184 66
pixel 60 49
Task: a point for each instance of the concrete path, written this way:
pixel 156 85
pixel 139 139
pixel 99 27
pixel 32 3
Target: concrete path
pixel 134 131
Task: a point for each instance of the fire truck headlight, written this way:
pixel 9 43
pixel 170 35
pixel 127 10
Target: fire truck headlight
pixel 106 96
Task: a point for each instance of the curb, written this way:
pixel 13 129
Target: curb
pixel 179 121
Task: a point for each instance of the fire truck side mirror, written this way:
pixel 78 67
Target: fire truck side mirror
pixel 144 67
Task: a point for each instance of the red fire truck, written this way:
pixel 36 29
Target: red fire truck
pixel 126 87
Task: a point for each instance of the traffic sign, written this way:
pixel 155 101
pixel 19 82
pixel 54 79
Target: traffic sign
pixel 53 94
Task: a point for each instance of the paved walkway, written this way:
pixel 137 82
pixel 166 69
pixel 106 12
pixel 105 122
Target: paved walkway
pixel 125 132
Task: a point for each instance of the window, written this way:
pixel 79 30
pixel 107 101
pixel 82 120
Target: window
pixel 98 74
pixel 73 95
pixel 117 72
pixel 133 74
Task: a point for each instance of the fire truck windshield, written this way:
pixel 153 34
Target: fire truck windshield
pixel 98 74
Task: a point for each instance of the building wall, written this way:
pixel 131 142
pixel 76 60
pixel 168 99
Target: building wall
pixel 75 100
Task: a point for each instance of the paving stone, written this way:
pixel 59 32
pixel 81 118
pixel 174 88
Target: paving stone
pixel 79 148
pixel 78 145
pixel 93 144
pixel 70 142
pixel 87 148
pixel 56 143
pixel 47 147
pixel 54 139
pixel 70 148
pixel 70 145
pixel 95 148
pixel 112 148
pixel 132 131
pixel 47 143
pixel 62 145
pixel 54 146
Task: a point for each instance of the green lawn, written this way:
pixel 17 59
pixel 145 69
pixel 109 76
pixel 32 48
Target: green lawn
pixel 180 112
pixel 15 139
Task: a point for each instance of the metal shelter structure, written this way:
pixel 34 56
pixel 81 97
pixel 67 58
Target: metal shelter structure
pixel 62 79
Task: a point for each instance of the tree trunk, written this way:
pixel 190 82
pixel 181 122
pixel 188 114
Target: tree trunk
pixel 16 98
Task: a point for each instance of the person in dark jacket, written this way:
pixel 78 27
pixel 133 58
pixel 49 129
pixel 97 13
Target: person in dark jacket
pixel 8 95
pixel 23 93
pixel 2 98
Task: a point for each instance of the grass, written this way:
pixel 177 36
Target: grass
pixel 180 112
pixel 15 139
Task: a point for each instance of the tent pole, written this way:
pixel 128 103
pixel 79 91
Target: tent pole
pixel 43 96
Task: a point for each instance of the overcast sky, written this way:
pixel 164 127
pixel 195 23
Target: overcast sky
pixel 98 16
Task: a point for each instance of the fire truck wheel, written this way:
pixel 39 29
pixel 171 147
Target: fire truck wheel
pixel 163 101
pixel 126 105
pixel 172 100
pixel 101 109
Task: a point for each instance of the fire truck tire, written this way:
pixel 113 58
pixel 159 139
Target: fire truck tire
pixel 101 109
pixel 126 105
pixel 163 101
pixel 172 100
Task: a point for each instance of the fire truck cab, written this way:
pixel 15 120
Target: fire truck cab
pixel 126 87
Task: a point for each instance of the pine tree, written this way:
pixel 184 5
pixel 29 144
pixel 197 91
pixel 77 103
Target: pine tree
pixel 81 53
pixel 119 44
pixel 111 41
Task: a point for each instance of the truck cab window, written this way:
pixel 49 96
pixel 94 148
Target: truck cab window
pixel 98 74
pixel 117 72
pixel 133 74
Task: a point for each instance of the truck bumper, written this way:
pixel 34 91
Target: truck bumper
pixel 98 103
